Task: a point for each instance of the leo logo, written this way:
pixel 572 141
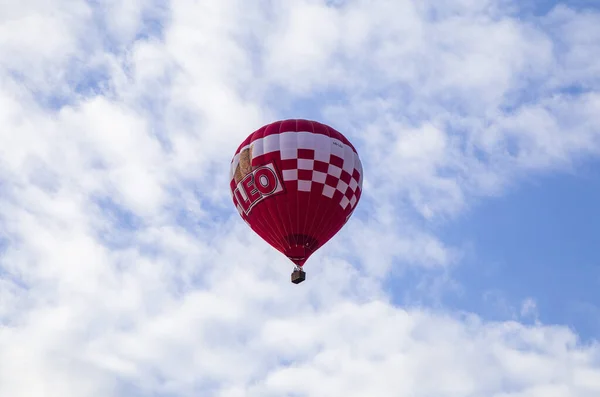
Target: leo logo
pixel 259 184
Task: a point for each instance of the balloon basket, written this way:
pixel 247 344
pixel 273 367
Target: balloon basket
pixel 298 276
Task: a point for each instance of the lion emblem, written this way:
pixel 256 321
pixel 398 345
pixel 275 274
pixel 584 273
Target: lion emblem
pixel 244 167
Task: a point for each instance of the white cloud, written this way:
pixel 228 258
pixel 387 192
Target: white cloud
pixel 122 274
pixel 529 308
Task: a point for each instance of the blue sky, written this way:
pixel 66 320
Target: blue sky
pixel 537 241
pixel 125 270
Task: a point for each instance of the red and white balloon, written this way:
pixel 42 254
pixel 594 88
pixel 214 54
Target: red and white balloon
pixel 296 183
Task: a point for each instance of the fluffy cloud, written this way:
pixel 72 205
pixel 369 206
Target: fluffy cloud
pixel 124 268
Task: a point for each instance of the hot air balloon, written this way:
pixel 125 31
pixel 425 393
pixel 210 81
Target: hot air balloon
pixel 296 183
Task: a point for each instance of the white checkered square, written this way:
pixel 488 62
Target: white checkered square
pixel 269 144
pixel 257 148
pixel 342 186
pixel 304 186
pixel 306 164
pixel 319 177
pixel 353 184
pixel 322 147
pixel 349 161
pixel 290 175
pixel 334 171
pixel 289 153
pixel 306 140
pixel 353 200
pixel 288 140
pixel 328 191
pixel 344 203
pixel 337 147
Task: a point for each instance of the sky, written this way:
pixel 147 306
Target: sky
pixel 469 268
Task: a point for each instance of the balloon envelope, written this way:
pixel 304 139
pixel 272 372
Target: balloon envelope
pixel 296 183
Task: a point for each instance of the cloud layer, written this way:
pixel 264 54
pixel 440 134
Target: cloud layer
pixel 125 270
